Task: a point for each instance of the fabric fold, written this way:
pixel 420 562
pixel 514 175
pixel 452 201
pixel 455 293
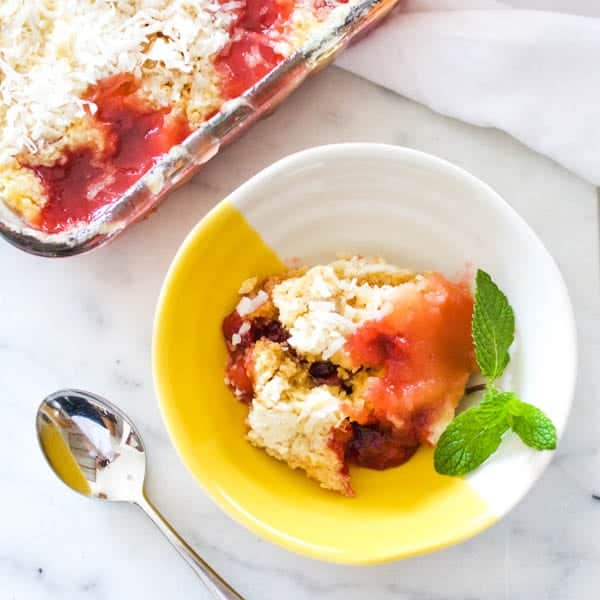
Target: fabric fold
pixel 530 73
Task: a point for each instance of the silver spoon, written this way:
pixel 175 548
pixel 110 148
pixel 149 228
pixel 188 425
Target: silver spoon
pixel 96 450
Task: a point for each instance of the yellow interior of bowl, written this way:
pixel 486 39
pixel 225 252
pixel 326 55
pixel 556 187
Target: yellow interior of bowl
pixel 395 513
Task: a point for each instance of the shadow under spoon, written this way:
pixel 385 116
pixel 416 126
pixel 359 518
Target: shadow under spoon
pixel 97 451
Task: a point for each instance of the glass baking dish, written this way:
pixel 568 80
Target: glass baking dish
pixel 185 159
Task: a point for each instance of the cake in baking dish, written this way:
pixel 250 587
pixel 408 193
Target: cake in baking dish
pixel 93 92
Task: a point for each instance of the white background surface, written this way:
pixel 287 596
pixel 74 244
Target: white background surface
pixel 581 7
pixel 87 322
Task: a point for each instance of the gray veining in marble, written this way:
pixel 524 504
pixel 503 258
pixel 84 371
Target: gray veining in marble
pixel 87 322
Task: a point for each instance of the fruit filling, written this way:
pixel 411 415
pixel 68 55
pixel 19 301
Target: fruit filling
pixel 134 136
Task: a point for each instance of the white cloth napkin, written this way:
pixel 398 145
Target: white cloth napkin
pixel 533 74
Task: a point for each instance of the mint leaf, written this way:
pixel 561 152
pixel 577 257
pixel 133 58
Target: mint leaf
pixel 493 326
pixel 473 436
pixel 495 406
pixel 532 425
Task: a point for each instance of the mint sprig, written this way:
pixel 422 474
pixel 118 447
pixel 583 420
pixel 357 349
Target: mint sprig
pixel 474 435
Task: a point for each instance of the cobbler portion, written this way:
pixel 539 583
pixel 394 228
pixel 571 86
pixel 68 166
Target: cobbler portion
pixel 94 92
pixel 356 361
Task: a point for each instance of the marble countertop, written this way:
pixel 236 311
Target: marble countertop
pixel 86 322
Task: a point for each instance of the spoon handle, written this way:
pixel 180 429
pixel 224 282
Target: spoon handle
pixel 211 579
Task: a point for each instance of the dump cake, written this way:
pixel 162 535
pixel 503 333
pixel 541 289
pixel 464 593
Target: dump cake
pixel 356 361
pixel 94 91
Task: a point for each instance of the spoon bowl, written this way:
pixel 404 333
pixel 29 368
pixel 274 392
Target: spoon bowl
pixel 97 451
pixel 92 446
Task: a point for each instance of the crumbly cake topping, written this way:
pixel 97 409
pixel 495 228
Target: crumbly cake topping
pixel 292 418
pixel 322 307
pixel 51 51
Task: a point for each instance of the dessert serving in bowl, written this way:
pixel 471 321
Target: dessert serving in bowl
pixel 356 361
pixel 106 106
pixel 326 373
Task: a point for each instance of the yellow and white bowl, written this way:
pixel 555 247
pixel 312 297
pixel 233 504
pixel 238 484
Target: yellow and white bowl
pixel 418 212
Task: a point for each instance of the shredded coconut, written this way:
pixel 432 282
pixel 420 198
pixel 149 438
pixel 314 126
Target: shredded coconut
pixel 248 305
pixel 328 303
pixel 51 51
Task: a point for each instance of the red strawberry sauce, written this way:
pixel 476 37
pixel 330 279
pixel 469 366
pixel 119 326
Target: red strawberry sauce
pixel 250 54
pixel 424 353
pixel 136 135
